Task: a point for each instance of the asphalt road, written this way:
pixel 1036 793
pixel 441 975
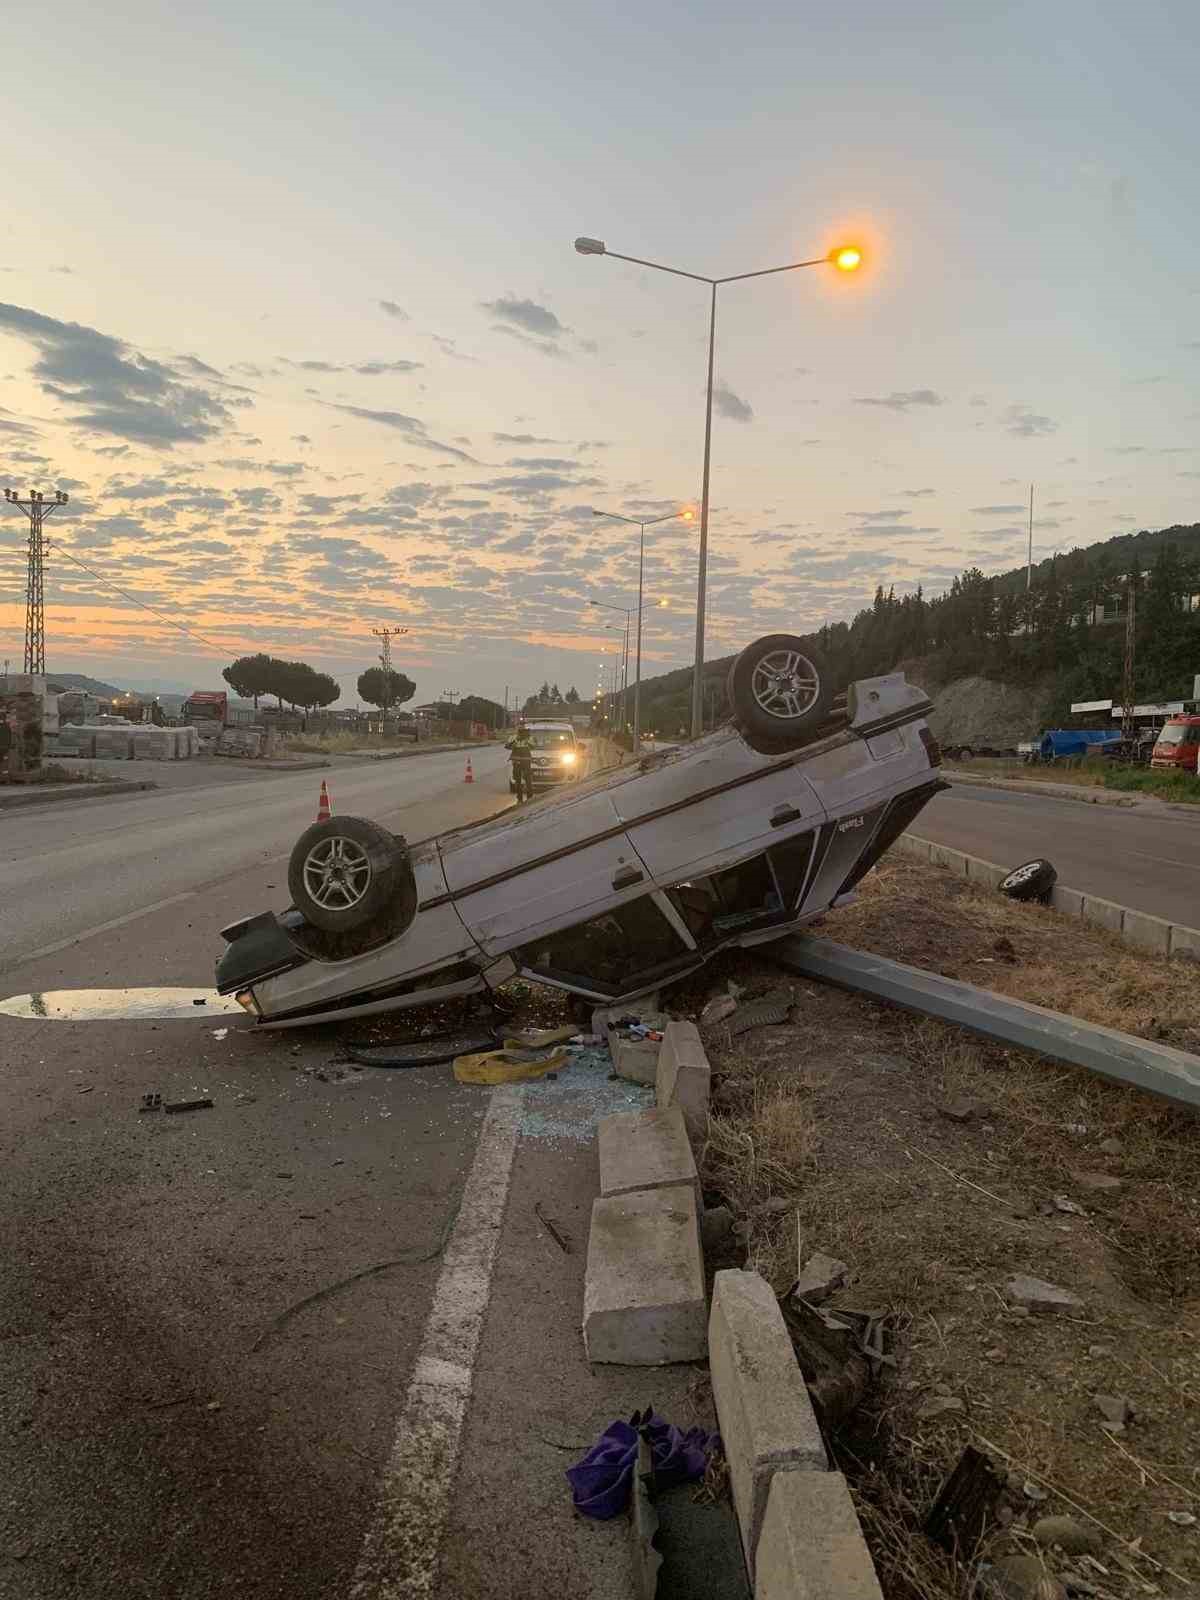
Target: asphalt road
pixel 177 1417
pixel 89 864
pixel 1147 860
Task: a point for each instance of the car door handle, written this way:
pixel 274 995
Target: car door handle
pixel 785 814
pixel 627 877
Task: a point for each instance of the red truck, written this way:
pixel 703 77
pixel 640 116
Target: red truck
pixel 1177 748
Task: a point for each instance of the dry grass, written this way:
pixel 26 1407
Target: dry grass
pixel 838 1118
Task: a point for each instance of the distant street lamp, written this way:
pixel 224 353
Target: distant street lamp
pixel 845 258
pixel 642 523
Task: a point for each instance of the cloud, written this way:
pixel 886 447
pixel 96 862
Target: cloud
pixel 412 428
pixel 391 309
pixel 901 399
pixel 521 438
pixel 1026 424
pixel 996 511
pixel 9 424
pixel 448 347
pixel 878 516
pixel 731 405
pixel 365 369
pixel 278 469
pixel 526 315
pixel 112 388
pixel 545 347
pixel 917 494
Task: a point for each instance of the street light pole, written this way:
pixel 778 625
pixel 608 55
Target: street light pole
pixel 641 524
pixel 846 258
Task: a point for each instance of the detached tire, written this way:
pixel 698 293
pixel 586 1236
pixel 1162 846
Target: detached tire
pixel 347 874
pixel 780 690
pixel 1032 880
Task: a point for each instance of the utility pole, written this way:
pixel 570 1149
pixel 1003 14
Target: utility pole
pixel 36 508
pixel 385 660
pixel 1130 647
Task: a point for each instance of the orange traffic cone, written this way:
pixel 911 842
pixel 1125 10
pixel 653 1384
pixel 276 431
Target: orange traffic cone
pixel 324 809
pixel 470 777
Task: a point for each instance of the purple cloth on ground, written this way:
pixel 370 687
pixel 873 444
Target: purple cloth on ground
pixel 602 1482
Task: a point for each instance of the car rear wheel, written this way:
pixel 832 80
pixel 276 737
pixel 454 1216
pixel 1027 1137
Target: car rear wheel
pixel 347 873
pixel 1032 880
pixel 780 690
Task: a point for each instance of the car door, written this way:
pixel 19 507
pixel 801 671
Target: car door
pixel 704 809
pixel 529 872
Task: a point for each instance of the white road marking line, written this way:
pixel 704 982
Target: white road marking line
pixel 401 1553
pixel 107 927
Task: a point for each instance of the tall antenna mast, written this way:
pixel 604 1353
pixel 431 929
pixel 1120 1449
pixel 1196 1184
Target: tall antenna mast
pixel 1029 561
pixel 36 508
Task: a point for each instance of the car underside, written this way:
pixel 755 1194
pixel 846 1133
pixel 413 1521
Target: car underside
pixel 615 885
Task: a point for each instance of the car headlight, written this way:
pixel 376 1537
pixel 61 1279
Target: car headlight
pixel 568 758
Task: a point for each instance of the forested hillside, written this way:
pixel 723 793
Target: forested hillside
pixel 1069 627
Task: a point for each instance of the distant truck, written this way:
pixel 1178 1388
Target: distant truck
pixel 206 709
pixel 1177 748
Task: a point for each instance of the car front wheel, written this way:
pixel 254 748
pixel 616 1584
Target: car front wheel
pixel 780 690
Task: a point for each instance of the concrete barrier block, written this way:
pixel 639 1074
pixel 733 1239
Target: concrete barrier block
pixel 645 1150
pixel 1149 933
pixel 1185 943
pixel 941 855
pixel 1103 913
pixel 985 872
pixel 685 1078
pixel 811 1546
pixel 915 849
pixel 766 1417
pixel 1068 901
pixel 643 1293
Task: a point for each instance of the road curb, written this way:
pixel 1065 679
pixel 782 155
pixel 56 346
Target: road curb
pixel 1047 791
pixel 74 791
pixel 1154 934
pixel 684 1078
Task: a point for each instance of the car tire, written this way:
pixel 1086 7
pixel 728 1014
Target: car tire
pixel 347 874
pixel 1032 880
pixel 780 691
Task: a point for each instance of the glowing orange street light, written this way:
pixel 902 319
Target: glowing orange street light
pixel 846 259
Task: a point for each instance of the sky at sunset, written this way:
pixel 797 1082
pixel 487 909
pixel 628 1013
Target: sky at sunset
pixel 289 306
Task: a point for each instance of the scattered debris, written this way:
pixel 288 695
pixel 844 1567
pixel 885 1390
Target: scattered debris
pixel 1097 1351
pixel 1115 1409
pixel 1061 1203
pixel 961 1109
pixel 763 1014
pixel 560 1239
pixel 508 1066
pixel 966 1505
pixel 938 1405
pixel 820 1276
pixel 1035 1294
pixel 187 1105
pixel 429 1052
pixel 1181 1519
pixel 1034 1491
pixel 199 1002
pixel 150 1102
pixel 220 1033
pixel 601 1483
pixel 539 1038
pixel 717 1009
pixel 1068 1534
pixel 644 1524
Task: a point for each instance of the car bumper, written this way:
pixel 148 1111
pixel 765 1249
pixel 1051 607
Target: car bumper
pixel 551 777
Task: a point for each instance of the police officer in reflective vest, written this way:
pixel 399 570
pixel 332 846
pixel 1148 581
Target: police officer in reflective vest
pixel 521 747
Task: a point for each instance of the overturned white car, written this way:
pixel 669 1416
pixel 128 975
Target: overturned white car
pixel 617 885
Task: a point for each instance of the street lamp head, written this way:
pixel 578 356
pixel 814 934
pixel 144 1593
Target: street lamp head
pixel 846 258
pixel 590 247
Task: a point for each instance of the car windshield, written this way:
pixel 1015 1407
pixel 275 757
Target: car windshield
pixel 551 738
pixel 1178 733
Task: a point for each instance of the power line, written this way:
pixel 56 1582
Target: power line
pixel 133 600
